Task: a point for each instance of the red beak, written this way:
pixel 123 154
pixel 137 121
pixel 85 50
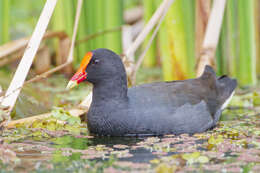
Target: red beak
pixel 81 74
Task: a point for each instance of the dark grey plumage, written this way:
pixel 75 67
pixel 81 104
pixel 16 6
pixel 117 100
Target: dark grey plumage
pixel 187 106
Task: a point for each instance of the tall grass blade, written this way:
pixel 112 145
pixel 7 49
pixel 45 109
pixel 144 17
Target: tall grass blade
pixel 232 29
pixel 113 18
pixel 150 57
pixel 177 43
pixel 222 55
pixel 84 29
pixel 4 21
pixel 188 14
pixel 99 22
pixel 164 51
pixel 257 31
pixel 247 49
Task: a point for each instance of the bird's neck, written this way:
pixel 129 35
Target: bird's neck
pixel 110 89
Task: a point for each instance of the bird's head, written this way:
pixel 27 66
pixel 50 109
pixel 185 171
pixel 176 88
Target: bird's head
pixel 96 66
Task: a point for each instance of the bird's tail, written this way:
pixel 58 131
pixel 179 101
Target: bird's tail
pixel 224 85
pixel 227 87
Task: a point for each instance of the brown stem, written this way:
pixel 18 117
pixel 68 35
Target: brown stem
pixel 16 45
pixel 91 36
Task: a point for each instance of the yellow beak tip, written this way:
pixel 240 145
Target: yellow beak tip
pixel 71 84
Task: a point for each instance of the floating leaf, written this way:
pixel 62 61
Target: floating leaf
pixel 256 99
pixel 191 157
pixel 51 126
pixel 155 161
pixel 195 157
pixel 214 141
pixel 164 168
pixel 203 159
pixel 257 144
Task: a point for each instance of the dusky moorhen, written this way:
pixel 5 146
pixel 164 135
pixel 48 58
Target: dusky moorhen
pixel 175 107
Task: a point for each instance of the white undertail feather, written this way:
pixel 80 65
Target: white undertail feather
pixel 227 101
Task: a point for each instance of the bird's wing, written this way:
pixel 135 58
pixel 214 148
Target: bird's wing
pixel 167 94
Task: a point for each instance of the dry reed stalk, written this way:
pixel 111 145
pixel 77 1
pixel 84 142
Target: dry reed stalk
pixel 62 66
pixel 202 17
pixel 148 27
pixel 20 44
pixel 75 28
pixel 142 56
pixel 29 54
pixel 212 36
pixel 14 90
pixel 129 55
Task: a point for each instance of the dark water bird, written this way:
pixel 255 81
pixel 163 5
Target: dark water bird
pixel 175 107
